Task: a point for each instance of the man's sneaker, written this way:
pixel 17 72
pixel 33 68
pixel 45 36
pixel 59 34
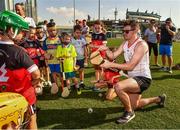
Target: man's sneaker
pixel 170 70
pixel 82 85
pixel 157 65
pixel 162 100
pixel 79 91
pixel 163 69
pixel 126 117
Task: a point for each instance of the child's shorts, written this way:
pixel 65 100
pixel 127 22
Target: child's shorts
pixel 70 75
pixel 80 63
pixel 54 68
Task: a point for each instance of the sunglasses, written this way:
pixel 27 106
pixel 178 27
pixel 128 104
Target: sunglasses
pixel 127 31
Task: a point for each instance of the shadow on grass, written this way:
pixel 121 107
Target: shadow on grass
pixel 75 118
pixel 85 94
pixel 149 108
pixel 170 76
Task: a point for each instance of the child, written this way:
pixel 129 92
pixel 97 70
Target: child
pixel 41 37
pixel 80 45
pixel 67 55
pixel 50 45
pixel 110 77
pixel 98 39
pixel 34 50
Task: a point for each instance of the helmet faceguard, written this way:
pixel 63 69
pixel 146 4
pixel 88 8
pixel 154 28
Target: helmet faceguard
pixel 10 19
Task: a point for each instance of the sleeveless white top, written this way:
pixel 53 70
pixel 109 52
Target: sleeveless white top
pixel 142 68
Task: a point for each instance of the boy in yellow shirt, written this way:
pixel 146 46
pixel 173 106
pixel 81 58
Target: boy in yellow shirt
pixel 67 53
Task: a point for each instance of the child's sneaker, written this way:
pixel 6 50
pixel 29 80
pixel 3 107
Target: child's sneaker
pixel 79 91
pixel 82 85
pixel 85 64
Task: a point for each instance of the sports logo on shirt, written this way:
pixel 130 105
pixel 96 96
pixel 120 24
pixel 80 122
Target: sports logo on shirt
pixel 3 72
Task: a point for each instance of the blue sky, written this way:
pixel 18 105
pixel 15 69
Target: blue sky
pixel 62 10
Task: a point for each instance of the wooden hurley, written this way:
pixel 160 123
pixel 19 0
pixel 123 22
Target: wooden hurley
pixel 96 58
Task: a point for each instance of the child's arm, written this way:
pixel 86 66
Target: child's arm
pixel 93 46
pixel 74 61
pixel 112 79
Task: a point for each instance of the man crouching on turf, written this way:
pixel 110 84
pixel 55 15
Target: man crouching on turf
pixel 136 57
pixel 18 73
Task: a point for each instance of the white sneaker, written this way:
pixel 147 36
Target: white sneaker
pixel 85 64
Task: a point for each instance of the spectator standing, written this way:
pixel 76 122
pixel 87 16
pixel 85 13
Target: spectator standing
pixel 151 38
pixel 168 31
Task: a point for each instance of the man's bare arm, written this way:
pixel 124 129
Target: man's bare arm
pixel 140 51
pixel 112 55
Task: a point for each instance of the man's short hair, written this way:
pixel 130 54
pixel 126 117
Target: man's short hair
pixel 133 23
pixel 21 4
pixel 168 20
pixel 77 27
pixel 45 21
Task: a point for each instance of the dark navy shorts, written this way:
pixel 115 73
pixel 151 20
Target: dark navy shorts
pixel 80 63
pixel 143 82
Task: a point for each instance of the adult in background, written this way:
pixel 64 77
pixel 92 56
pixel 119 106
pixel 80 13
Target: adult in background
pixel 87 36
pixel 85 28
pixel 151 38
pixel 136 57
pixel 20 9
pixel 168 31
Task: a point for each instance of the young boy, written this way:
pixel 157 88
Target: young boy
pixel 98 39
pixel 66 53
pixel 41 37
pixel 80 45
pixel 34 50
pixel 50 45
pixel 19 73
pixel 32 47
